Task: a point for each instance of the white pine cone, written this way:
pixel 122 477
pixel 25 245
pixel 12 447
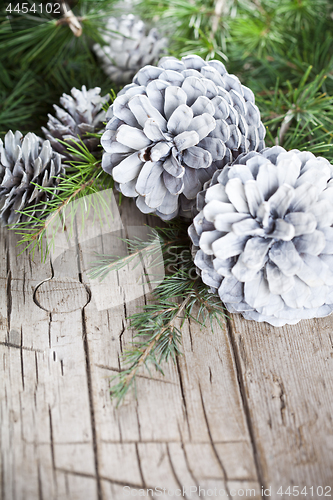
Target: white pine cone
pixel 26 163
pixel 173 127
pixel 128 47
pixel 263 238
pixel 80 115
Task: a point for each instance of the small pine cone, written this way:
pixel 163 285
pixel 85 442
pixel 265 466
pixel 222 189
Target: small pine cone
pixel 26 163
pixel 263 238
pixel 128 48
pixel 173 127
pixel 84 114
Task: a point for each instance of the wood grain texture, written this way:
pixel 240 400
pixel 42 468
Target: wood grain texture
pixel 245 406
pixel 288 373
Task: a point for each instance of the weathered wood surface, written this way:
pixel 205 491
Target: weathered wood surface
pixel 245 407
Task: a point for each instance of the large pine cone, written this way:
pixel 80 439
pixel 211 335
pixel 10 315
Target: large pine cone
pixel 82 114
pixel 263 238
pixel 25 164
pixel 173 127
pixel 128 47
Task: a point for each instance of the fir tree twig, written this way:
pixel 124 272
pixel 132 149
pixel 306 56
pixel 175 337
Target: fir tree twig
pixel 157 334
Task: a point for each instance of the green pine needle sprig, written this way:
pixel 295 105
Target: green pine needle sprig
pixel 179 297
pixel 83 177
pixel 159 327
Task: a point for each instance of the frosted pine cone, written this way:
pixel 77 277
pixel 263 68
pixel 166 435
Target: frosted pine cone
pixel 26 163
pixel 263 238
pixel 80 114
pixel 173 127
pixel 128 47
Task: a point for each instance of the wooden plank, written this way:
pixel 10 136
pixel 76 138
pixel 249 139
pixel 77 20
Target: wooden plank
pixel 245 406
pixel 174 432
pixel 287 379
pixel 45 407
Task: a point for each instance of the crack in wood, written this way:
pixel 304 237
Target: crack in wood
pixel 242 390
pixel 40 488
pixel 102 478
pixel 139 466
pixel 30 263
pixel 2 476
pixel 67 484
pixel 45 443
pixel 120 433
pixel 109 368
pixel 21 347
pixel 122 333
pixel 158 441
pixel 212 443
pixel 210 375
pixel 21 356
pixel 181 385
pixel 189 468
pixel 190 333
pixel 9 296
pixel 36 369
pixel 331 340
pixel 282 398
pixel 91 405
pixel 139 425
pixel 242 351
pixel 173 469
pixel 49 330
pixel 23 286
pixel 51 439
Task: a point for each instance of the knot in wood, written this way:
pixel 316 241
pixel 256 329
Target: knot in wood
pixel 61 295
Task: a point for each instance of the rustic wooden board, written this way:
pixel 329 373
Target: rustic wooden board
pixel 245 406
pixel 288 374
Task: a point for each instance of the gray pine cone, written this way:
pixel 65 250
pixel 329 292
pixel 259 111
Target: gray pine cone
pixel 24 162
pixel 128 47
pixel 263 238
pixel 80 114
pixel 173 127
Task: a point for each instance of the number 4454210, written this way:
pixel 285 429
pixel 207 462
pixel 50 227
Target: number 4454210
pixel 24 8
pixel 308 492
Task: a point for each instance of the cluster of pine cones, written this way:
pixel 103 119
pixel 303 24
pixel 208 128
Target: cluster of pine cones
pixel 185 138
pixel 29 162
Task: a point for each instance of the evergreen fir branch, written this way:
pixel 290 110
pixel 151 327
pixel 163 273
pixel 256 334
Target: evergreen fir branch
pixel 34 239
pixel 46 41
pixel 160 240
pixel 163 342
pixel 17 99
pixel 299 116
pixel 82 158
pixel 204 46
pixel 85 178
pixel 302 14
pixel 180 296
pixel 193 27
pixel 158 337
pixel 256 35
pixel 107 263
